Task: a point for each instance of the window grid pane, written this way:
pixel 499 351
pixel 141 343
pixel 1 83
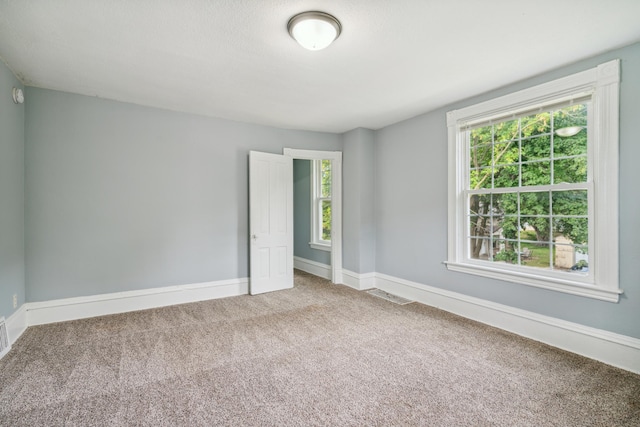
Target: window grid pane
pixel 325 210
pixel 325 178
pixel 321 217
pixel 541 229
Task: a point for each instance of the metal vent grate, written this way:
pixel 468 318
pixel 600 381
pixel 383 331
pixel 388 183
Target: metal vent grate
pixel 389 297
pixel 5 346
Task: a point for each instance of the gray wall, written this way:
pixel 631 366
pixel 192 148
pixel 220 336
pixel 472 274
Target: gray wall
pixel 302 214
pixel 359 189
pixel 122 197
pixel 12 263
pixel 411 209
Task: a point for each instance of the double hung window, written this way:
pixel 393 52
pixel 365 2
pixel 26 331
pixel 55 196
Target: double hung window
pixel 321 205
pixel 533 185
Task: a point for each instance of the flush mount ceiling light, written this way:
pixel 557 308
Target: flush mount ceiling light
pixel 314 30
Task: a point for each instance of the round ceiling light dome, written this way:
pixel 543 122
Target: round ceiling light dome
pixel 314 30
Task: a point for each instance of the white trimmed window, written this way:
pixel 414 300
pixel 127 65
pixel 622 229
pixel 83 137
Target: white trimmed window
pixel 533 185
pixel 321 205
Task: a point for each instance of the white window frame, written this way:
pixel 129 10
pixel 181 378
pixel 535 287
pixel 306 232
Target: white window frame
pixel 316 207
pixel 602 84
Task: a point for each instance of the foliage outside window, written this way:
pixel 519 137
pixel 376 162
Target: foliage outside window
pixel 528 191
pixel 321 200
pixel 533 185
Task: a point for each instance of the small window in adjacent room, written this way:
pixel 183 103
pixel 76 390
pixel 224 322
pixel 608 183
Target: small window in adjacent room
pixel 321 205
pixel 533 186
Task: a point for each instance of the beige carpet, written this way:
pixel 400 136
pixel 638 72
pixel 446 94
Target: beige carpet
pixel 316 355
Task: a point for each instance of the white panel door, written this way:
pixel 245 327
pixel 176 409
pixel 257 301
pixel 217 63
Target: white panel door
pixel 270 222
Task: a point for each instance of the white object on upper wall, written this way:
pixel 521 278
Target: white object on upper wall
pixel 18 95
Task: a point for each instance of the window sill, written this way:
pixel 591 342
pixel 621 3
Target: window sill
pixel 320 246
pixel 560 285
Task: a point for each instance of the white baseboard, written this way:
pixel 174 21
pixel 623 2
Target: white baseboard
pixel 359 281
pixel 61 310
pixel 312 267
pixel 17 324
pixel 608 347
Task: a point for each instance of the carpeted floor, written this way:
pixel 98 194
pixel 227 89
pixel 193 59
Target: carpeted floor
pixel 316 355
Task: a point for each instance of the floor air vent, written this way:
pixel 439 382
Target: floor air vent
pixel 4 338
pixel 389 297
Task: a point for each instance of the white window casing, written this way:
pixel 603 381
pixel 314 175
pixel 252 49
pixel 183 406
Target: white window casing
pixel 600 85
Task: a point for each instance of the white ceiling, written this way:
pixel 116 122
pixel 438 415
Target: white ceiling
pixel 234 59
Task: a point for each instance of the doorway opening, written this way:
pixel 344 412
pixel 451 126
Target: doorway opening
pixel 325 207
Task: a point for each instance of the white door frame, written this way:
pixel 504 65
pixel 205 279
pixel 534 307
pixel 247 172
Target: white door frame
pixel 336 202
